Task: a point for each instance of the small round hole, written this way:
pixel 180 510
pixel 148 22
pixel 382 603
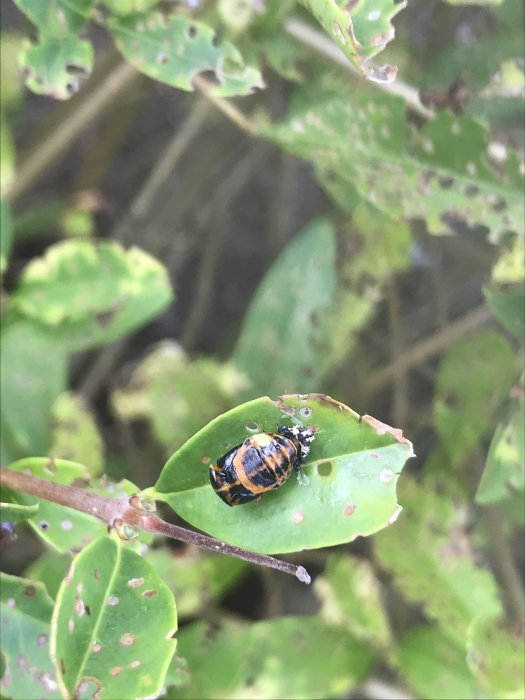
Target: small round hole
pixel 251 426
pixel 324 469
pixel 306 412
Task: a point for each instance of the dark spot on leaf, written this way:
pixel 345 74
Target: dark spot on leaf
pixel 192 31
pixel 43 525
pixel 96 574
pixel 104 318
pixel 29 591
pixel 50 466
pixel 87 608
pixel 63 667
pixel 216 40
pixel 76 70
pixel 446 182
pixel 324 469
pixel 471 190
pixel 314 318
pixel 149 593
pixel 499 204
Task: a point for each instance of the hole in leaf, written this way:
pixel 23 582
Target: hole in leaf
pixel 324 469
pixel 192 31
pixel 251 426
pixel 306 412
pixel 446 182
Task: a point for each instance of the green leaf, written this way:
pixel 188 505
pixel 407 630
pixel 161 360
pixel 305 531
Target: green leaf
pixel 496 656
pixel 288 657
pixel 128 7
pixel 113 625
pixel 195 578
pixel 346 488
pixel 510 266
pixel 49 568
pixel 465 402
pixel 509 308
pixel 360 32
pixel 92 294
pixel 351 597
pixel 433 562
pixel 175 49
pixel 281 342
pixel 434 666
pixel 176 394
pixel 57 67
pixel 504 472
pixel 360 142
pixel 26 615
pixel 65 529
pixel 14 512
pixel 6 234
pixel 474 2
pixel 57 18
pixel 33 365
pixel 75 435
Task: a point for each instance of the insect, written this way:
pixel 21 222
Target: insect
pixel 261 463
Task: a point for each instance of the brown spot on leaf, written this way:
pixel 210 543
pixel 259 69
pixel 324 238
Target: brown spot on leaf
pixel 116 671
pixel 349 510
pixel 149 593
pixel 128 639
pixel 30 590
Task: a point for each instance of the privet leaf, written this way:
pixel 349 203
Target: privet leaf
pixel 26 612
pixel 113 625
pixel 15 512
pixel 49 568
pixel 33 365
pixel 75 435
pixel 91 294
pixel 346 488
pixel 288 657
pixel 57 18
pixel 509 307
pixel 57 67
pixel 175 49
pixel 360 32
pixel 288 321
pixel 440 572
pixel 440 174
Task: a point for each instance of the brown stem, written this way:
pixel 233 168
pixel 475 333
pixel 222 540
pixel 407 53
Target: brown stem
pixel 124 511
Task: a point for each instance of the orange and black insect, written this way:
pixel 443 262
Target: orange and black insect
pixel 261 463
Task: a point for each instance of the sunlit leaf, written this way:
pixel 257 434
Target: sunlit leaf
pixel 57 67
pixel 75 435
pixel 91 294
pixel 175 49
pixel 113 625
pixel 26 615
pixel 288 657
pixel 346 488
pixel 287 323
pixel 57 18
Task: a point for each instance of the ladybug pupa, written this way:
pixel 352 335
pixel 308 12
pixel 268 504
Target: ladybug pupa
pixel 263 462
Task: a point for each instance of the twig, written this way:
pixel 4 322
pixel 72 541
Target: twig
pixel 511 586
pixel 227 108
pixel 40 157
pixel 323 45
pixel 424 349
pixel 118 512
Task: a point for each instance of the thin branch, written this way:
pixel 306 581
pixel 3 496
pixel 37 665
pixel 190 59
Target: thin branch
pixel 118 512
pixel 227 108
pixel 323 45
pixel 424 350
pixel 41 157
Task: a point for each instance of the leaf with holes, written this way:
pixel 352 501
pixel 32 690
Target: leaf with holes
pixel 441 174
pixel 33 365
pixel 174 50
pixel 287 657
pixel 440 571
pixel 57 18
pixel 92 294
pixel 346 488
pixel 65 529
pixel 57 67
pixel 289 318
pixel 113 625
pixel 15 512
pixel 26 612
pixel 360 32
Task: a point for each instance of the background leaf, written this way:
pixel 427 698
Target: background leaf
pixel 509 307
pixel 287 323
pixel 15 512
pixel 57 18
pixel 174 50
pixel 91 294
pixel 349 489
pixel 26 615
pixel 113 624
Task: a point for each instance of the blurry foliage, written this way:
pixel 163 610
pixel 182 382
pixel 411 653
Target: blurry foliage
pixel 285 288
